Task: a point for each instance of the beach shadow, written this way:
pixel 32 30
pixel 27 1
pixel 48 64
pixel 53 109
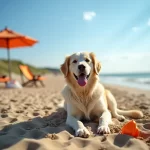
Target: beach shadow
pixel 38 128
pixel 121 140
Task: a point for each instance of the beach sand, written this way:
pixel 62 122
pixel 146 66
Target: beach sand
pixel 30 119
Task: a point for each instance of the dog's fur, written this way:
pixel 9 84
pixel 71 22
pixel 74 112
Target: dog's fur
pixel 92 100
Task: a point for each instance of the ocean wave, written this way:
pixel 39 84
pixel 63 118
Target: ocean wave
pixel 138 80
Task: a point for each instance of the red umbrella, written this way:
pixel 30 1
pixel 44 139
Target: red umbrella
pixel 10 39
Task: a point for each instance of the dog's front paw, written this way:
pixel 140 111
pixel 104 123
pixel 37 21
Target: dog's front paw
pixel 83 132
pixel 103 129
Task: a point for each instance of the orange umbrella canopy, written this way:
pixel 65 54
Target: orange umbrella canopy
pixel 10 39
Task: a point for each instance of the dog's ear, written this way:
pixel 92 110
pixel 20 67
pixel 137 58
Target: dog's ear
pixel 65 66
pixel 96 63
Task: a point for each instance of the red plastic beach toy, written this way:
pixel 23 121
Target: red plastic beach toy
pixel 131 129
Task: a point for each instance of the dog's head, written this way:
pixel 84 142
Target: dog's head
pixel 81 67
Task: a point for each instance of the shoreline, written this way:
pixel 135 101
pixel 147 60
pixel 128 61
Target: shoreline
pixel 128 84
pixel 129 89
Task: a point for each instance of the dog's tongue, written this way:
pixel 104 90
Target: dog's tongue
pixel 82 80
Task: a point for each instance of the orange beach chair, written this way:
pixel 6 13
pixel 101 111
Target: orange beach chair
pixel 24 70
pixel 4 79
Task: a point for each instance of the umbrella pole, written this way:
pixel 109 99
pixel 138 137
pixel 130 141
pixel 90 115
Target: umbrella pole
pixel 9 63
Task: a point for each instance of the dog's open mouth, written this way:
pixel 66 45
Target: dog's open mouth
pixel 82 79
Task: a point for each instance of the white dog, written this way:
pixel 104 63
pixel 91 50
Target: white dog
pixel 86 98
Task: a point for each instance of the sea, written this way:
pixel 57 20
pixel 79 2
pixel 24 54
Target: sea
pixel 135 80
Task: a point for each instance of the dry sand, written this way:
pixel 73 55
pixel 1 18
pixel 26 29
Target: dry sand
pixel 30 119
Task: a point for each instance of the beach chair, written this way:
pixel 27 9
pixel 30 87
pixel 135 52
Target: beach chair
pixel 4 79
pixel 32 79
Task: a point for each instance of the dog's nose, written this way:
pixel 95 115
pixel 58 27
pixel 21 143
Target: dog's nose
pixel 81 67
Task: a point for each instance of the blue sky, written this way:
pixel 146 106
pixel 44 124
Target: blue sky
pixel 118 31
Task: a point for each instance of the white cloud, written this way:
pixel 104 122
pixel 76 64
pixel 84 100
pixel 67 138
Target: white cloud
pixel 148 23
pixel 135 29
pixel 88 16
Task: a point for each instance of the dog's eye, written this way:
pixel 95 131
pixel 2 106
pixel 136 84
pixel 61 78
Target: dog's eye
pixel 75 61
pixel 87 60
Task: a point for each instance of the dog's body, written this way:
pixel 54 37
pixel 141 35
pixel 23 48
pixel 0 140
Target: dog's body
pixel 86 98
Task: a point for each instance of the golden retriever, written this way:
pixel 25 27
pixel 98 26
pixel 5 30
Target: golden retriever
pixel 86 98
